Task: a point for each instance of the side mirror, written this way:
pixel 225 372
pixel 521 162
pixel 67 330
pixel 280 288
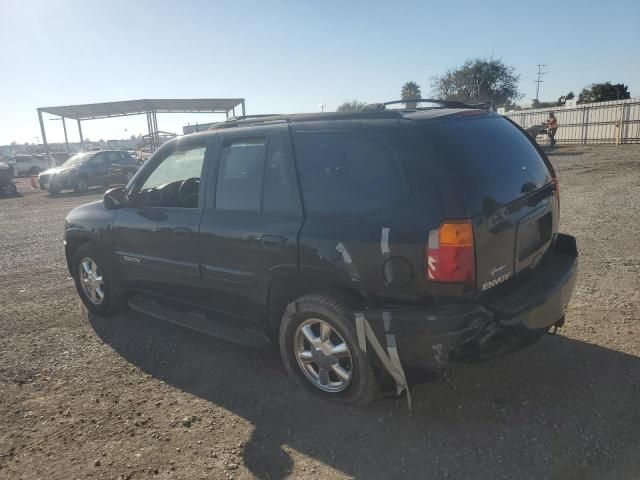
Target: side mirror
pixel 115 198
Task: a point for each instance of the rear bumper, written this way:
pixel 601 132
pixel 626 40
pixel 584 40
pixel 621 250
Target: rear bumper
pixel 431 337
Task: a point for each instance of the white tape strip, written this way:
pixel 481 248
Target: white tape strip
pixel 390 361
pixel 384 241
pixel 345 253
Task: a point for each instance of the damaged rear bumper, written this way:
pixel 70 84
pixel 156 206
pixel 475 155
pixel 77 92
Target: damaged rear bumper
pixel 428 338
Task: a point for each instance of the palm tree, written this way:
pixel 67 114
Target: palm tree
pixel 410 91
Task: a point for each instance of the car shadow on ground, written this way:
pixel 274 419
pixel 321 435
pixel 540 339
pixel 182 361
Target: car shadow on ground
pixel 68 194
pixel 559 409
pixel 5 197
pixel 560 152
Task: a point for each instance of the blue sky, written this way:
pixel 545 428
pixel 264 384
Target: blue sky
pixel 289 56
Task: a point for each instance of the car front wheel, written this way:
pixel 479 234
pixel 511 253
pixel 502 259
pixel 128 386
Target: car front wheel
pixel 95 282
pixel 320 350
pixel 81 185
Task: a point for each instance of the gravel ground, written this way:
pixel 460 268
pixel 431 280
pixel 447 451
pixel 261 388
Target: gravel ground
pixel 131 397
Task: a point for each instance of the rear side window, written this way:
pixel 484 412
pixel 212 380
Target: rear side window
pixel 239 184
pixel 280 195
pixel 347 172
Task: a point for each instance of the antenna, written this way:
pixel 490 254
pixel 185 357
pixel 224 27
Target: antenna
pixel 539 80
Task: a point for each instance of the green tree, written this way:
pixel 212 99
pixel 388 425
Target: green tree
pixel 603 92
pixel 538 104
pixel 479 80
pixel 563 99
pixel 351 106
pixel 410 91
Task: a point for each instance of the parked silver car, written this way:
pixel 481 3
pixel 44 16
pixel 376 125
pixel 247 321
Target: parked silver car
pixel 28 164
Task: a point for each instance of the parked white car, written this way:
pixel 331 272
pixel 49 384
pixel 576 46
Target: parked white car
pixel 28 164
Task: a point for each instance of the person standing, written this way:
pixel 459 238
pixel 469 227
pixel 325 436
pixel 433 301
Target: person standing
pixel 552 128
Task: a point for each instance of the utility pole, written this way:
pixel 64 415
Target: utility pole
pixel 539 80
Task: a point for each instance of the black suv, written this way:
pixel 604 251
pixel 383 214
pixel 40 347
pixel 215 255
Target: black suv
pixel 367 245
pixel 88 169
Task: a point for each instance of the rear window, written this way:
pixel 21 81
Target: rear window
pixel 486 159
pixel 347 172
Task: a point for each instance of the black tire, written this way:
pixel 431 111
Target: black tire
pixel 113 301
pixel 53 190
pixel 362 387
pixel 34 171
pixel 81 185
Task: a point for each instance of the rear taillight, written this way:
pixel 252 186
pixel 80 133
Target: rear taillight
pixel 450 255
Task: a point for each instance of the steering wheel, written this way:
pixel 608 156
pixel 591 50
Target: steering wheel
pixel 188 192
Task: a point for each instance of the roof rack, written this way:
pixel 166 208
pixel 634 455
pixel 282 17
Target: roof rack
pixel 442 103
pixel 248 120
pixel 247 117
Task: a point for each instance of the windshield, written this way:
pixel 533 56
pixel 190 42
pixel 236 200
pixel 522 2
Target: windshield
pixel 79 159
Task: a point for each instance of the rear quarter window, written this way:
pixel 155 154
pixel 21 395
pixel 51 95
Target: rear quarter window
pixel 347 172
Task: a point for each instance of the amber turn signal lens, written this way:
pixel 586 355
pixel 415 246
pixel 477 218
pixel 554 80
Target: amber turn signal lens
pixel 456 233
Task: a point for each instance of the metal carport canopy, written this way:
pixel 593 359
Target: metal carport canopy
pixel 150 107
pixel 91 111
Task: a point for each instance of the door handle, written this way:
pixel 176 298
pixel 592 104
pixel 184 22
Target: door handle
pixel 272 241
pixel 182 231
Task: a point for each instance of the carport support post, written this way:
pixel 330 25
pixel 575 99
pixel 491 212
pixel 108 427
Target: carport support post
pixel 151 149
pixel 243 112
pixel 81 137
pixel 155 129
pixel 44 137
pixel 66 140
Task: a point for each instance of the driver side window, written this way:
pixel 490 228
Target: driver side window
pixel 175 182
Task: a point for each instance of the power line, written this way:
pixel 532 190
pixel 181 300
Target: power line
pixel 539 80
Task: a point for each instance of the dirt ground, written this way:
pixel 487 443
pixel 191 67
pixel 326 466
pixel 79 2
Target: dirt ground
pixel 132 397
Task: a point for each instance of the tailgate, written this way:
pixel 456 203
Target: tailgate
pixel 514 237
pixel 491 172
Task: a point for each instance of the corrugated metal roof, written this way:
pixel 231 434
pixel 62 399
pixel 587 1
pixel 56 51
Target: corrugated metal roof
pixel 134 107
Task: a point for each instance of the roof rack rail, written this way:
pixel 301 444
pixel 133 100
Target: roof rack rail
pixel 248 117
pixel 261 119
pixel 443 103
pixel 249 120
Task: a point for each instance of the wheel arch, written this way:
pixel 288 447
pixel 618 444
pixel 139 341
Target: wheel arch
pixel 73 240
pixel 285 290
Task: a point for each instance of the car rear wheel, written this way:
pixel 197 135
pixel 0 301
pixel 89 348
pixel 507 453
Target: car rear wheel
pixel 81 185
pixel 11 189
pixel 34 171
pixel 320 350
pixel 95 282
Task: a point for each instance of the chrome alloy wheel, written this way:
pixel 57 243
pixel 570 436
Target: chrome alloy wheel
pixel 82 185
pixel 323 355
pixel 91 280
